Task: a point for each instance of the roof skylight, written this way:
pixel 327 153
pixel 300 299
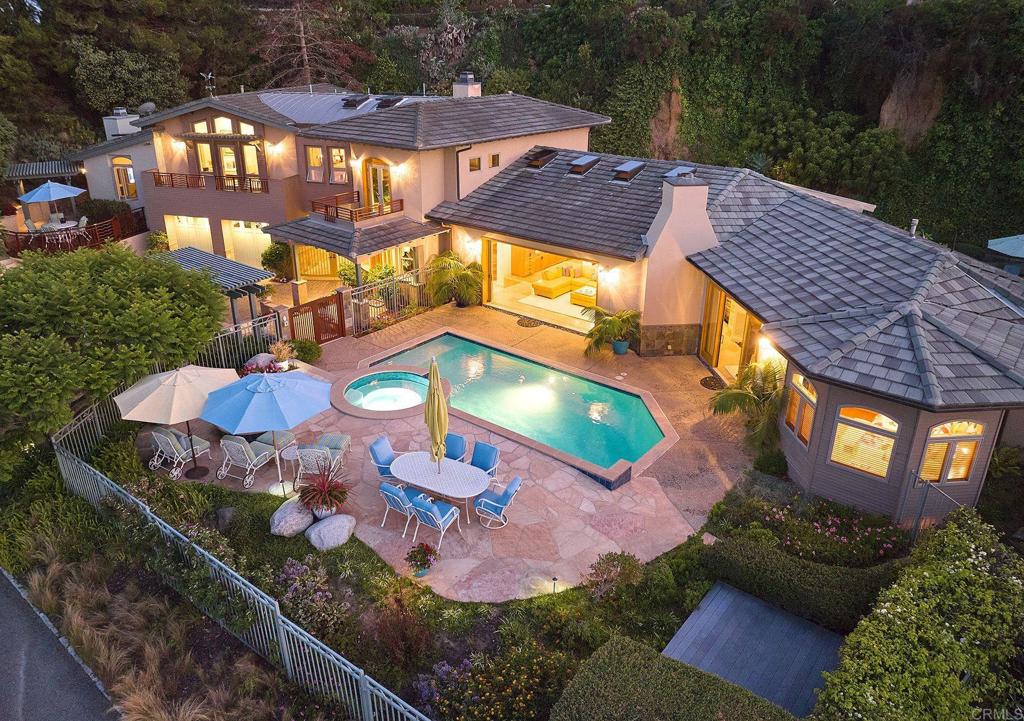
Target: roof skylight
pixel 539 158
pixel 628 170
pixel 680 170
pixel 582 164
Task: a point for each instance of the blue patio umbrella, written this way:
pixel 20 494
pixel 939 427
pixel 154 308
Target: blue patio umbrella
pixel 267 402
pixel 50 192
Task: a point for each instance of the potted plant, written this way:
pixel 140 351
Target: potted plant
pixel 451 279
pixel 324 491
pixel 421 557
pixel 283 352
pixel 615 329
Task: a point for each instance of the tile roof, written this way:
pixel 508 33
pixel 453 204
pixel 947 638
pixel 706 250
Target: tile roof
pixel 107 146
pixel 283 107
pixel 445 122
pixel 349 240
pixel 586 212
pixel 43 169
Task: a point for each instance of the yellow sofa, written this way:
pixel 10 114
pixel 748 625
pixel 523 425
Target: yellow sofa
pixel 552 283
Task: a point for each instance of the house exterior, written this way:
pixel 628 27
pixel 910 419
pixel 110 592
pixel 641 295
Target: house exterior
pixel 905 361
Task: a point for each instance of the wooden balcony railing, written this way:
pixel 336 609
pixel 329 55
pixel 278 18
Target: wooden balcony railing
pixel 91 236
pixel 178 180
pixel 346 206
pixel 238 184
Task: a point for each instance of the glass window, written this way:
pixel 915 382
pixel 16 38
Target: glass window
pixel 800 409
pixel 495 160
pixel 222 125
pixel 474 164
pixel 314 164
pixel 252 160
pixel 246 128
pixel 950 451
pixel 864 440
pixel 201 127
pixel 339 171
pixel 245 241
pixel 204 155
pixel 228 161
pixel 124 178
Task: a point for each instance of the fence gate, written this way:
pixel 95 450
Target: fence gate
pixel 320 320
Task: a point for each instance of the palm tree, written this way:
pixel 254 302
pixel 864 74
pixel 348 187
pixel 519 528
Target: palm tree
pixel 451 279
pixel 610 327
pixel 759 393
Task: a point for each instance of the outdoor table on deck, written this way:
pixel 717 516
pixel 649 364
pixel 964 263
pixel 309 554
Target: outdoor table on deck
pixel 458 481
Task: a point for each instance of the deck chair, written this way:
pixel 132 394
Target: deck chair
pixel 239 453
pixel 434 514
pixel 174 449
pixel 82 222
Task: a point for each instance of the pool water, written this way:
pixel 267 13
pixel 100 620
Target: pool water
pixel 387 391
pixel 589 420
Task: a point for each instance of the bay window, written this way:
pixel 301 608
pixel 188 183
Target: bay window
pixel 803 398
pixel 864 440
pixel 950 451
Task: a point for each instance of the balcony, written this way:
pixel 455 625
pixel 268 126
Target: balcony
pixel 346 206
pixel 68 239
pixel 229 183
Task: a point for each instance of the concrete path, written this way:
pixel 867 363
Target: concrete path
pixel 39 679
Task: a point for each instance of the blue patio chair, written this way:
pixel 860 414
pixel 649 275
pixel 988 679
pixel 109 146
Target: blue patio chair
pixel 383 455
pixel 492 505
pixel 455 447
pixel 399 500
pixel 485 457
pixel 434 514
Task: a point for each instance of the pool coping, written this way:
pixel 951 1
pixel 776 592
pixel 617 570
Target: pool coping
pixel 611 478
pixel 344 379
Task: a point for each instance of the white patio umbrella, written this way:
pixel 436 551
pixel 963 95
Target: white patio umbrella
pixel 172 397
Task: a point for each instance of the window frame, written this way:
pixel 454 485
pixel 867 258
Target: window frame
pixel 477 162
pixel 128 182
pixel 330 168
pixel 323 166
pixel 866 427
pixel 495 160
pixel 231 124
pixel 803 402
pixel 952 442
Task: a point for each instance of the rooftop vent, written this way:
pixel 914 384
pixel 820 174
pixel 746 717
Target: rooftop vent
pixel 354 101
pixel 120 112
pixel 539 158
pixel 628 170
pixel 681 170
pixel 582 164
pixel 388 102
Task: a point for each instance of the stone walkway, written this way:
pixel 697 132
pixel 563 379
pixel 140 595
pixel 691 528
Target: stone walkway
pixel 562 520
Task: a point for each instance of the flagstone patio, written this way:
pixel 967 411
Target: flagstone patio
pixel 562 520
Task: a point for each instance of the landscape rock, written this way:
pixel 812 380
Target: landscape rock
pixel 331 532
pixel 290 519
pixel 224 517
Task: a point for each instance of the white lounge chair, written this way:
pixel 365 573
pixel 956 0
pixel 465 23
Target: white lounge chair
pixel 239 453
pixel 174 449
pixel 82 222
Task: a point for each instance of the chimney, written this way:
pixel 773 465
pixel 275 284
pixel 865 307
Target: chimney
pixel 119 123
pixel 466 86
pixel 913 227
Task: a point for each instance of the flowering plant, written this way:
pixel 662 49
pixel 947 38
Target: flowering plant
pixel 257 368
pixel 421 556
pixel 307 597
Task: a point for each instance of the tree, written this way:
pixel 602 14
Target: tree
pixel 104 80
pixel 8 139
pixel 79 324
pixel 309 41
pixel 451 279
pixel 758 392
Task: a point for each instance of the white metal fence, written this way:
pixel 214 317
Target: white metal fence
pixel 306 661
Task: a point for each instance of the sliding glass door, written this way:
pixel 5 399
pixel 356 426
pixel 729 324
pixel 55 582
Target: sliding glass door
pixel 729 333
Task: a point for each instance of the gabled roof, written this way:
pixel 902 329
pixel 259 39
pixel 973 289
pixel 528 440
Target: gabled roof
pixel 446 122
pixel 349 240
pixel 589 212
pixel 108 146
pixel 287 108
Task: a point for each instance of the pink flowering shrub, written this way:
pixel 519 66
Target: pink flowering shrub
pixel 306 597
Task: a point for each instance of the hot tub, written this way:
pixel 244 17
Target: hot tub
pixel 387 391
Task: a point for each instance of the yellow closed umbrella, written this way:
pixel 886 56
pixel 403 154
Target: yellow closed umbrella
pixel 435 414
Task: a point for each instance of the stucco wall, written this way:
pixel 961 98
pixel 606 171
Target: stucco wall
pixel 99 172
pixel 509 149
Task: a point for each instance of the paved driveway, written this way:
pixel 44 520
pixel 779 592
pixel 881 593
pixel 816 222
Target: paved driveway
pixel 39 679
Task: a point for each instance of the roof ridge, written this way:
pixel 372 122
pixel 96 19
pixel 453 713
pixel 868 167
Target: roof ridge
pixel 923 354
pixel 869 332
pixel 942 258
pixel 730 186
pixel 992 360
pixel 834 315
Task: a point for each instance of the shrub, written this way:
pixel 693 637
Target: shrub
pixel 612 573
pixel 627 680
pixel 157 242
pixel 324 488
pixel 942 642
pixel 520 684
pixel 401 632
pixel 772 462
pixel 98 209
pixel 277 258
pixel 306 597
pixel 834 596
pixel 307 351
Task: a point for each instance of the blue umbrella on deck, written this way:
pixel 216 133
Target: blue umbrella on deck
pixel 50 192
pixel 263 402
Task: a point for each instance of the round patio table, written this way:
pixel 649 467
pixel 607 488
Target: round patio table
pixel 457 481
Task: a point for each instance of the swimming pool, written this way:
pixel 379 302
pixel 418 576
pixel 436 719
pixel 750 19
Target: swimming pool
pixel 387 391
pixel 589 420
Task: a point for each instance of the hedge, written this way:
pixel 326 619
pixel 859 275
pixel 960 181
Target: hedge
pixel 944 642
pixel 833 596
pixel 626 681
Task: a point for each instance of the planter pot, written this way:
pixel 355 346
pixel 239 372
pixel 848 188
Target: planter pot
pixel 322 513
pixel 281 365
pixel 421 573
pixel 620 346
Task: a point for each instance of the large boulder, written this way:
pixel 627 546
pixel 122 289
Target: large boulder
pixel 290 519
pixel 331 532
